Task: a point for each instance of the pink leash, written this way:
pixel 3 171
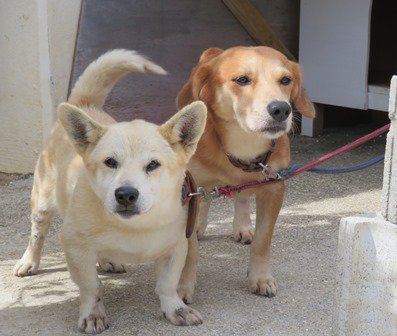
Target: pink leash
pixel 229 189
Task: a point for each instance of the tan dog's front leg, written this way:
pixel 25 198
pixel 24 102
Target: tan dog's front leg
pixel 168 273
pixel 189 273
pixel 82 268
pixel 242 227
pixel 268 205
pixel 202 217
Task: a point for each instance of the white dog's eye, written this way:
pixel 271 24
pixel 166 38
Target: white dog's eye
pixel 111 163
pixel 285 80
pixel 243 80
pixel 152 166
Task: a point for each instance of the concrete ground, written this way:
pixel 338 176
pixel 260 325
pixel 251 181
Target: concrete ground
pixel 303 260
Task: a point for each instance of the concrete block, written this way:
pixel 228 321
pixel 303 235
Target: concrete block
pixel 366 295
pixel 389 196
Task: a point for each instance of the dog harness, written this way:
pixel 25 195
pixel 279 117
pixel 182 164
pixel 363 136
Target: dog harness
pixel 189 189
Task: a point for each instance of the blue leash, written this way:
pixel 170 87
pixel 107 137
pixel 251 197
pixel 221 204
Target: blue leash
pixel 290 171
pixel 295 170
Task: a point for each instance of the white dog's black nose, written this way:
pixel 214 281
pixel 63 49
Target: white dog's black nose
pixel 279 110
pixel 126 195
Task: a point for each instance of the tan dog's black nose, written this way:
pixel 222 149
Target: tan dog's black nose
pixel 126 195
pixel 279 110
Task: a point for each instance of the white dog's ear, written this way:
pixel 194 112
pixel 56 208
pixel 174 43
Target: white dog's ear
pixel 81 129
pixel 183 131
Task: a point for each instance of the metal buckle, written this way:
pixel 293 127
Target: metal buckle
pixel 202 193
pixel 267 171
pixel 214 193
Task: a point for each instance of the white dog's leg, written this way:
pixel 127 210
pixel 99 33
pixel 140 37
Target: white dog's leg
pixel 168 272
pixel 109 266
pixel 202 217
pixel 82 267
pixel 242 226
pixel 43 210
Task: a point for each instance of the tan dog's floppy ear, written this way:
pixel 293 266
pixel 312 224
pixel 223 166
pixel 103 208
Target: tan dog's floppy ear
pixel 193 89
pixel 199 82
pixel 202 74
pixel 209 54
pixel 299 97
pixel 81 129
pixel 184 129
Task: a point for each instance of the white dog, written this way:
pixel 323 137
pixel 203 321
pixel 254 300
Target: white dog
pixel 118 189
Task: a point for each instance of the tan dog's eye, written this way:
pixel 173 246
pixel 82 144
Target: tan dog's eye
pixel 111 163
pixel 152 166
pixel 285 80
pixel 243 80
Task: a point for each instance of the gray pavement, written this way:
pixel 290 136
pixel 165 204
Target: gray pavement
pixel 303 261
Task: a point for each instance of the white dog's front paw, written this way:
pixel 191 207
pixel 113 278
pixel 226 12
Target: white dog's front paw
pixel 184 316
pixel 263 285
pixel 93 320
pixel 110 266
pixel 244 234
pixel 93 324
pixel 26 266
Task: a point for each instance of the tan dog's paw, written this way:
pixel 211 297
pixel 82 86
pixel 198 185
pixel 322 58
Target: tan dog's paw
pixel 244 235
pixel 26 266
pixel 110 266
pixel 184 316
pixel 200 233
pixel 201 227
pixel 93 323
pixel 185 292
pixel 264 286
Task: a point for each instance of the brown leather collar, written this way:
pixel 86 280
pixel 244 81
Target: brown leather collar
pixel 254 165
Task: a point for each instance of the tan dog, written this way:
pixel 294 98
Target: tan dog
pixel 118 188
pixel 250 93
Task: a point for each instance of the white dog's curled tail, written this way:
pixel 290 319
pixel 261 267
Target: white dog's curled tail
pixel 100 76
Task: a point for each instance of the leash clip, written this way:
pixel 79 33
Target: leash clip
pixel 201 192
pixel 214 193
pixel 268 172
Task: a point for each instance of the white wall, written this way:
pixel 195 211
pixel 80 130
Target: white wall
pixel 36 48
